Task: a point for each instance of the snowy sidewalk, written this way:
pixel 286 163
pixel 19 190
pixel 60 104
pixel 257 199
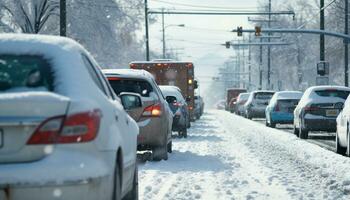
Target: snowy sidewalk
pixel 229 157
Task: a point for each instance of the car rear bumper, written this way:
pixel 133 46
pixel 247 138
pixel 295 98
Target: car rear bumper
pixel 320 124
pixel 179 123
pixel 282 118
pixel 61 175
pixel 257 113
pixel 152 134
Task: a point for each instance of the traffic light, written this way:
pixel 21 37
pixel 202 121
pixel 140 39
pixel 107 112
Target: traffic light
pixel 323 68
pixel 258 31
pixel 239 31
pixel 227 44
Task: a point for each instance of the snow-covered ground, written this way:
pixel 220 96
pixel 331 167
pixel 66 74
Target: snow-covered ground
pixel 229 157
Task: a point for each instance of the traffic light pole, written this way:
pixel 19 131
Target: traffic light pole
pixel 146 27
pixel 322 37
pixel 63 18
pixel 269 52
pixel 346 46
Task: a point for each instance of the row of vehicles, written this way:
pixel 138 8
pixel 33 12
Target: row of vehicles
pixel 69 130
pixel 319 108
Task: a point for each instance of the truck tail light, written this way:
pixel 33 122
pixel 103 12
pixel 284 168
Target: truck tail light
pixel 311 108
pixel 76 128
pixel 152 111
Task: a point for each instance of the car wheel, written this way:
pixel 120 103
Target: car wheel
pixel 134 193
pixel 180 134
pixel 117 183
pixel 339 149
pixel 170 147
pixel 295 131
pixel 267 123
pixel 184 133
pixel 272 124
pixel 161 152
pixel 303 133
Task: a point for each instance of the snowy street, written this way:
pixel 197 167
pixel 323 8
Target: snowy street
pixel 230 157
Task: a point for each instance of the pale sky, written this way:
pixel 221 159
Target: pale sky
pixel 200 38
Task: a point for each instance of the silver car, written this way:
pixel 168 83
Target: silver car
pixel 154 117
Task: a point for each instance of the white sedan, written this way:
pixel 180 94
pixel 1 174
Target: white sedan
pixel 63 132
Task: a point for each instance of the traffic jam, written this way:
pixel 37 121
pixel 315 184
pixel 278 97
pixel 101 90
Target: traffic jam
pixel 174 100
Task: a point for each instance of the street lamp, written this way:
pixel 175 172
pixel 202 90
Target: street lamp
pixel 163 30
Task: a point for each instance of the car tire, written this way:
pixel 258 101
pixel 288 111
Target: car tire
pixel 117 183
pixel 180 135
pixel 339 149
pixel 266 123
pixel 295 131
pixel 303 133
pixel 170 147
pixel 161 152
pixel 184 133
pixel 134 193
pixel 272 124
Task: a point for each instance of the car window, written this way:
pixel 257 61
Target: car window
pixel 263 95
pixel 140 87
pixel 25 72
pixel 333 93
pixel 93 73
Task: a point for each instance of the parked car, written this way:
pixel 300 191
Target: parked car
pixel 198 106
pixel 318 109
pixel 281 107
pixel 154 117
pixel 239 105
pixel 64 133
pixel 178 106
pixel 257 103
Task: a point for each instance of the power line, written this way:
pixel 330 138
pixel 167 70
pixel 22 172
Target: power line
pixel 311 18
pixel 202 6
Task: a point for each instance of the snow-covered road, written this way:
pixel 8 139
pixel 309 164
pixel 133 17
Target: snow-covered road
pixel 229 157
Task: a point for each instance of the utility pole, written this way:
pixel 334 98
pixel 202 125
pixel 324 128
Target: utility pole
pixel 260 66
pixel 346 46
pixel 322 37
pixel 269 51
pixel 249 64
pixel 63 18
pixel 146 27
pixel 163 30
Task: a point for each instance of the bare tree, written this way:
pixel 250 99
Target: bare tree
pixel 30 17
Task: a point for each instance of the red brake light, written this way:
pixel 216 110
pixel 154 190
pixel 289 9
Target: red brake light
pixel 132 65
pixel 177 104
pixel 76 128
pixel 311 108
pixel 113 78
pixel 152 111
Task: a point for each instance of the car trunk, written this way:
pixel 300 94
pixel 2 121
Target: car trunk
pixel 20 114
pixel 286 105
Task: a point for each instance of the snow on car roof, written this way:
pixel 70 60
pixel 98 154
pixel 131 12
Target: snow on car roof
pixel 64 56
pixel 160 61
pixel 261 91
pixel 288 95
pixel 129 73
pixel 169 90
pixel 327 87
pixel 311 96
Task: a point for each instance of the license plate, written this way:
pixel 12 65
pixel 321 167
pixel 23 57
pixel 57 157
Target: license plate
pixel 331 113
pixel 1 138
